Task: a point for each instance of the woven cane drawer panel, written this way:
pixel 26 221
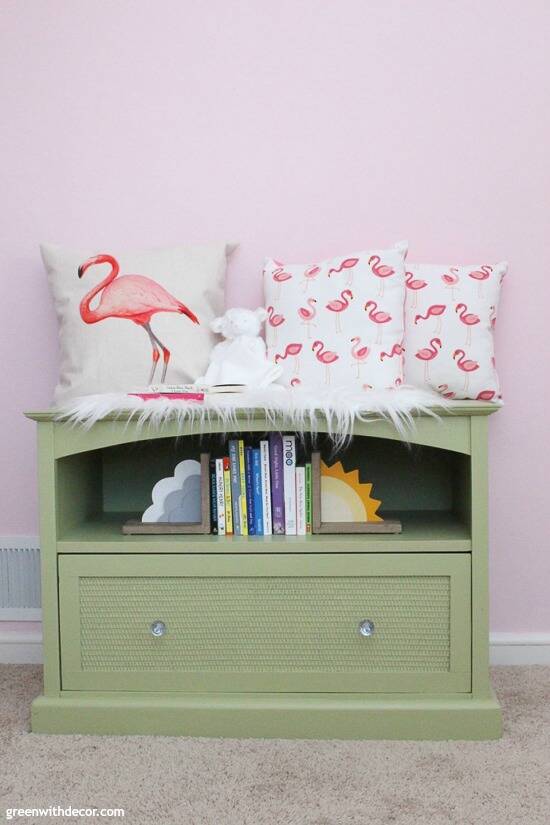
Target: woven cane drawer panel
pixel 265 624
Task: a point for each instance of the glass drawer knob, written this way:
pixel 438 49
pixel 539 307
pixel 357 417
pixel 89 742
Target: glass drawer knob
pixel 158 629
pixel 366 627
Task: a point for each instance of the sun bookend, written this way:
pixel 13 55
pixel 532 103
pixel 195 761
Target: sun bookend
pixel 317 636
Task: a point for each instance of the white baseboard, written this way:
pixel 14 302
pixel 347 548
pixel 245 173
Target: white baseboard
pixel 21 643
pixel 520 648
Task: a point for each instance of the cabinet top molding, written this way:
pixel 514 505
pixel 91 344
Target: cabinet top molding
pixel 453 408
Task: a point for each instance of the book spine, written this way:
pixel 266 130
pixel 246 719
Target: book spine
pixel 250 515
pixel 242 496
pixel 309 499
pixel 277 490
pixel 227 497
pixel 257 491
pixel 266 488
pixel 220 498
pixel 289 481
pixel 213 498
pixel 235 486
pixel 300 501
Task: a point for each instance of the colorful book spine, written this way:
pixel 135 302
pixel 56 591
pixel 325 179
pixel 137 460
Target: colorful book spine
pixel 220 496
pixel 242 496
pixel 300 501
pixel 213 497
pixel 235 486
pixel 227 497
pixel 289 482
pixel 248 469
pixel 309 499
pixel 277 488
pixel 257 491
pixel 266 488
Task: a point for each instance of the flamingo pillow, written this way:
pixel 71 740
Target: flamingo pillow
pixel 338 323
pixel 450 315
pixel 127 319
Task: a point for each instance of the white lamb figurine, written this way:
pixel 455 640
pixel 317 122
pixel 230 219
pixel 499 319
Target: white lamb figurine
pixel 242 357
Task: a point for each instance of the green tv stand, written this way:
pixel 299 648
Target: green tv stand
pixel 323 636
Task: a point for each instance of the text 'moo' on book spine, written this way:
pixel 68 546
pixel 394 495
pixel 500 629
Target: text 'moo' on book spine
pixel 289 481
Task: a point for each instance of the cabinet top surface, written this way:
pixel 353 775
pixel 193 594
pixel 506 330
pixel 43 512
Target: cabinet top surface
pixel 453 408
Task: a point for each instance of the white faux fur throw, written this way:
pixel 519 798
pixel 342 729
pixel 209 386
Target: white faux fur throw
pixel 334 411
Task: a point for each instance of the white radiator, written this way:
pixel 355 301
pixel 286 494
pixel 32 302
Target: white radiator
pixel 19 578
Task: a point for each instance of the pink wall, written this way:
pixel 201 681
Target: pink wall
pixel 300 129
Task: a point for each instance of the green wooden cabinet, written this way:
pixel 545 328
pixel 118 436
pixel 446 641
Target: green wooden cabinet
pixel 352 636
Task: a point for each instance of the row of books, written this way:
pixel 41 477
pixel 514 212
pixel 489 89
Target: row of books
pixel 260 491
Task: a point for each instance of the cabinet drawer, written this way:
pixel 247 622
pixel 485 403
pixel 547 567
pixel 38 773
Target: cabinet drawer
pixel 251 623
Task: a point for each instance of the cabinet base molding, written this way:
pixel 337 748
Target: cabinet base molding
pixel 284 716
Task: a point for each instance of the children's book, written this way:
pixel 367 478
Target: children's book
pixel 309 499
pixel 248 455
pixel 257 491
pixel 300 501
pixel 213 497
pixel 235 486
pixel 266 488
pixel 242 497
pixel 277 488
pixel 289 482
pixel 220 496
pixel 227 497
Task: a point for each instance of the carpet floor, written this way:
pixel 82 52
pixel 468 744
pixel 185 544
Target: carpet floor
pixel 168 780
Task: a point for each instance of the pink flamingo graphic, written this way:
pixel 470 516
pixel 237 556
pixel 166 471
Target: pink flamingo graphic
pixel 415 285
pixel 381 271
pixel 295 382
pixel 397 349
pixel 133 297
pixel 468 319
pixel 280 276
pixel 377 317
pixel 451 279
pixel 481 275
pixel 485 395
pixel 435 311
pixel 275 321
pixel 291 350
pixel 327 358
pixel 465 365
pixel 347 264
pixel 443 390
pixel 337 306
pixel 492 317
pixel 428 354
pixel 359 354
pixel 307 315
pixel 310 274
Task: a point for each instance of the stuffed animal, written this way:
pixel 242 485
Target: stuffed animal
pixel 241 358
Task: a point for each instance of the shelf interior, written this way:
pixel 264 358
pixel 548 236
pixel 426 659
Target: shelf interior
pixel 427 488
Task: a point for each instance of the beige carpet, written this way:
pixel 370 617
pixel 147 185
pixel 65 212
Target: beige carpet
pixel 169 780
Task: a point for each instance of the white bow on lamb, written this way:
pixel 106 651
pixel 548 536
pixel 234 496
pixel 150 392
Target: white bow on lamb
pixel 242 357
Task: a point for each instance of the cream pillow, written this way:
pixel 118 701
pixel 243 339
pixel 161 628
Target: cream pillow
pixel 339 322
pixel 450 314
pixel 128 318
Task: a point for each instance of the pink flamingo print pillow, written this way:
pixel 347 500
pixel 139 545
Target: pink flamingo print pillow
pixel 338 323
pixel 450 315
pixel 128 319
